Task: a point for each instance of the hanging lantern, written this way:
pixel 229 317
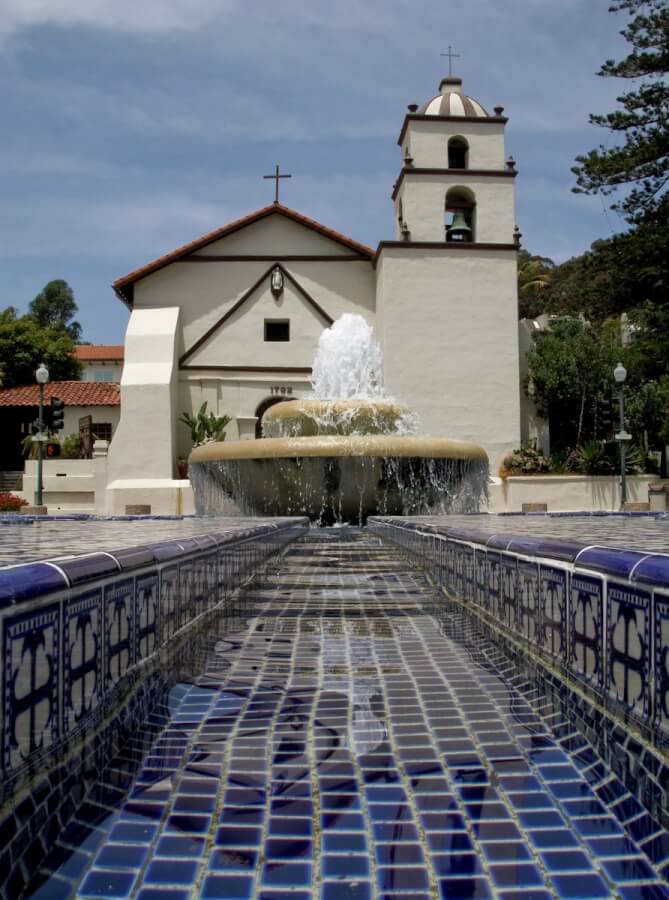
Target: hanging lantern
pixel 276 283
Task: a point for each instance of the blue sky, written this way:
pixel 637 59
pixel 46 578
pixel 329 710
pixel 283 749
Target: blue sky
pixel 129 128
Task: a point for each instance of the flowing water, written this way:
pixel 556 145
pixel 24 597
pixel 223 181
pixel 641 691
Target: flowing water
pixel 345 732
pixel 348 364
pixel 350 477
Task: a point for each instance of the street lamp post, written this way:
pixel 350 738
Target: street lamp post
pixel 42 376
pixel 620 375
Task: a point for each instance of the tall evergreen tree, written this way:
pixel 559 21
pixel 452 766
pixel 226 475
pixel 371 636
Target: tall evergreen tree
pixel 641 162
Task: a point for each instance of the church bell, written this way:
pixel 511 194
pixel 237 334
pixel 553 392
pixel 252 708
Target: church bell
pixel 459 230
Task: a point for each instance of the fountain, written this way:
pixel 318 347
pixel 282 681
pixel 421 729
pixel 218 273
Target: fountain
pixel 348 452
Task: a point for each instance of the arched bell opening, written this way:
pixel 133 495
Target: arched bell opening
pixel 262 409
pixel 458 153
pixel 460 215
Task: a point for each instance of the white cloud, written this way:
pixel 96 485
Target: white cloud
pixel 46 162
pixel 143 224
pixel 144 17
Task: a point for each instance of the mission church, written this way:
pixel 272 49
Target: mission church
pixel 234 317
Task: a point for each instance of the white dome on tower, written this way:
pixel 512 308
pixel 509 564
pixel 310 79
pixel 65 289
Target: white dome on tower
pixel 452 102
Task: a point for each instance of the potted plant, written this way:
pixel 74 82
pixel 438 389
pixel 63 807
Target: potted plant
pixel 204 428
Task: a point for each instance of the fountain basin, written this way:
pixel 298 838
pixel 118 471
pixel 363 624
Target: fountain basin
pixel 308 418
pixel 336 445
pixel 334 478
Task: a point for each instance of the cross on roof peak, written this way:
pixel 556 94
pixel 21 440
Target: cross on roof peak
pixel 276 178
pixel 451 56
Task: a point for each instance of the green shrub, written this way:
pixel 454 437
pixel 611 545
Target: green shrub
pixel 71 446
pixel 591 458
pixel 557 462
pixel 205 427
pixel 524 461
pixel 600 458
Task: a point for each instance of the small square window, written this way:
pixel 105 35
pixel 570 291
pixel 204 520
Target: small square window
pixel 277 329
pixel 102 431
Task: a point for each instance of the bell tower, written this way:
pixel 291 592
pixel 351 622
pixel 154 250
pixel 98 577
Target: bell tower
pixel 446 285
pixel 454 183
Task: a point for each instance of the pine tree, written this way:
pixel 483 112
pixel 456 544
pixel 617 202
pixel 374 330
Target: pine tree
pixel 641 162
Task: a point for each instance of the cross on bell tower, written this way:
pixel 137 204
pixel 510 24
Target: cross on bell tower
pixel 276 178
pixel 451 56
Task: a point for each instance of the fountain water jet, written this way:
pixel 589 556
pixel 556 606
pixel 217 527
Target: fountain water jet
pixel 348 452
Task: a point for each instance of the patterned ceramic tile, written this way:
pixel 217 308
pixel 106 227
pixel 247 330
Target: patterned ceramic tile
pixel 586 628
pixel 119 629
pixel 349 731
pixel 508 597
pixel 628 648
pixel 554 610
pixel 494 581
pixel 31 670
pixel 528 605
pixel 147 610
pixel 169 602
pixel 661 613
pixel 83 649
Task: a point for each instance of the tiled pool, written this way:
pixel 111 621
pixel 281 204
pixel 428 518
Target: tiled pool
pixel 633 531
pixel 23 539
pixel 347 732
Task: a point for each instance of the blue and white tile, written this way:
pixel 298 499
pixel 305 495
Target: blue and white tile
pixel 553 594
pixel 169 600
pixel 586 628
pixel 451 547
pixel 211 575
pixel 469 584
pixel 507 602
pixel 82 670
pixel 31 675
pixel 480 564
pixel 147 609
pixel 119 629
pixel 459 569
pixel 186 608
pixel 628 646
pixel 200 586
pixel 528 606
pixel 494 581
pixel 661 626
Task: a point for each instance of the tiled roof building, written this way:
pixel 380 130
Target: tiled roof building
pixel 72 393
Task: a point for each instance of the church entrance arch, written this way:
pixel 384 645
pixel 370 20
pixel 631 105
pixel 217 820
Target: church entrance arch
pixel 262 409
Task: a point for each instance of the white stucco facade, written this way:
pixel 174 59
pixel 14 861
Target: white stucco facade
pixel 207 323
pixel 448 329
pixel 106 415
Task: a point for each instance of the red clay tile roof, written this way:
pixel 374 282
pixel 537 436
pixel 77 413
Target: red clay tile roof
pixel 124 285
pixel 72 393
pixel 95 352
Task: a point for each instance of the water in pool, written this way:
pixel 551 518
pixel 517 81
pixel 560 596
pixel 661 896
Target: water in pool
pixel 347 733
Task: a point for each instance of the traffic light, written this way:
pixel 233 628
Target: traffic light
pixel 57 414
pixel 606 415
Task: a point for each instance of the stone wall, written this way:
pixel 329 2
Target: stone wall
pixel 567 493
